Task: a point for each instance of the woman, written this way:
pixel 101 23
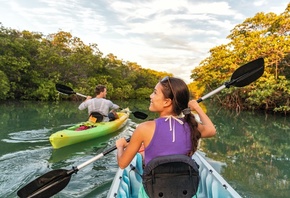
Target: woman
pixel 169 134
pixel 169 99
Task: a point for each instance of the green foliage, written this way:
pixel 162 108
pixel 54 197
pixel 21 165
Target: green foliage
pixel 31 64
pixel 271 94
pixel 123 93
pixel 264 35
pixel 4 85
pixel 143 93
pixel 45 91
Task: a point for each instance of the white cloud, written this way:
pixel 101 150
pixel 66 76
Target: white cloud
pixel 260 3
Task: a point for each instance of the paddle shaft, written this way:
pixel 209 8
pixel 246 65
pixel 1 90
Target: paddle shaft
pixel 211 93
pixel 81 95
pixel 109 150
pixel 98 156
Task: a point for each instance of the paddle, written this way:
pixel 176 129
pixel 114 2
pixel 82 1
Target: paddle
pixel 241 77
pixel 54 181
pixel 68 90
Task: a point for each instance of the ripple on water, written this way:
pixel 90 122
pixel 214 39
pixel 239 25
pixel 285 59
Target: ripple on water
pixel 91 178
pixel 29 136
pixel 19 168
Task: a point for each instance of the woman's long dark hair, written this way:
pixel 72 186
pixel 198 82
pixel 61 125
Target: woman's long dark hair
pixel 177 90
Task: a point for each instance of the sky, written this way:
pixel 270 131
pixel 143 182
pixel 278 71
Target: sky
pixel 164 35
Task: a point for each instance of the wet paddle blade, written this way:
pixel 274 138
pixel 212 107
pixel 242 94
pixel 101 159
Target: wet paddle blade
pixel 64 89
pixel 54 181
pixel 137 114
pixel 140 115
pixel 247 73
pixel 243 76
pixel 46 185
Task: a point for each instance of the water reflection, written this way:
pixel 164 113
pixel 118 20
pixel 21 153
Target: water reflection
pixel 251 150
pixel 255 148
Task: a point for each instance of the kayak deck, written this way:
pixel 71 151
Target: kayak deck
pixel 73 135
pixel 127 181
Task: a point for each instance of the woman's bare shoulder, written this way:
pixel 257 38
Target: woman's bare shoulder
pixel 146 125
pixel 145 131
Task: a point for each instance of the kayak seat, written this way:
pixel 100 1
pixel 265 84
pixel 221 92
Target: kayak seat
pixel 96 117
pixel 171 176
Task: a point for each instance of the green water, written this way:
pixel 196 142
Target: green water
pixel 251 150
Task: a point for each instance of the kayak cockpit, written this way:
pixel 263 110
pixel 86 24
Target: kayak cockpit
pixel 127 182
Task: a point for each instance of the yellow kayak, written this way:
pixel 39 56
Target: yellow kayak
pixel 88 130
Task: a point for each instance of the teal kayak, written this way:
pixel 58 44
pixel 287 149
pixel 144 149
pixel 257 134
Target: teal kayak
pixel 88 130
pixel 127 182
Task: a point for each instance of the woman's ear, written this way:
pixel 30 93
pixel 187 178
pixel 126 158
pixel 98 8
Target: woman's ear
pixel 167 102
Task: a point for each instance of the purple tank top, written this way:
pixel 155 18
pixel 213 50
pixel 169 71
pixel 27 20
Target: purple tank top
pixel 170 137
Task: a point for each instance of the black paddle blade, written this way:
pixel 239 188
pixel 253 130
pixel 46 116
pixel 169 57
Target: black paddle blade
pixel 140 115
pixel 64 89
pixel 247 73
pixel 46 185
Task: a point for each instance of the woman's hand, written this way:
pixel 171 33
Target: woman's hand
pixel 193 105
pixel 207 128
pixel 121 143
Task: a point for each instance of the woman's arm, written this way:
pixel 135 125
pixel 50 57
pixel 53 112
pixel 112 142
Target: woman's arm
pixel 206 128
pixel 127 151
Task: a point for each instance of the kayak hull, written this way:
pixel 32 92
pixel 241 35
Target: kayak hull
pixel 72 135
pixel 127 182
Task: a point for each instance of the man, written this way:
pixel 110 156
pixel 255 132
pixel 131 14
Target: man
pixel 99 104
